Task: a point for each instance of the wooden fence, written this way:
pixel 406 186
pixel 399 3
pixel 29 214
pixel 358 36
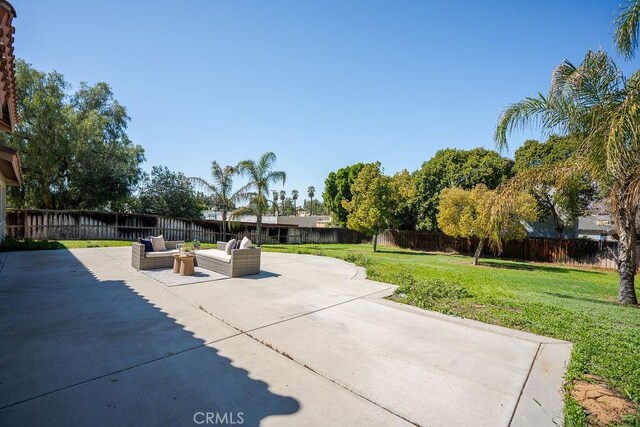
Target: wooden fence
pixel 58 225
pixel 76 225
pixel 577 252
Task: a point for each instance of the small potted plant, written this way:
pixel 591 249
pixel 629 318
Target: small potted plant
pixel 187 248
pixel 196 244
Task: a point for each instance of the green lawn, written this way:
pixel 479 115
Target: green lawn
pixel 567 303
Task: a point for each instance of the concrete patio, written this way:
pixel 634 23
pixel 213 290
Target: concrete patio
pixel 87 340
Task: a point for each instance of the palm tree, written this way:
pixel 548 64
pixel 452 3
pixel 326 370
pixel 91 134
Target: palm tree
pixel 220 190
pixel 628 28
pixel 275 201
pixel 311 191
pixel 595 102
pixel 283 196
pixel 261 175
pixel 294 197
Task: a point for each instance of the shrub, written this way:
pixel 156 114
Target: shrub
pixel 358 259
pixel 427 293
pixel 12 244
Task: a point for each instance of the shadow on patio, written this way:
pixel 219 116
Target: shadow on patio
pixel 78 350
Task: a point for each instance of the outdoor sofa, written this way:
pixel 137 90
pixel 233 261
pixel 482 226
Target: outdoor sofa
pixel 142 260
pixel 241 262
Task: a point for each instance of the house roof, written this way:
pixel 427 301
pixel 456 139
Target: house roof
pixel 10 165
pixel 8 103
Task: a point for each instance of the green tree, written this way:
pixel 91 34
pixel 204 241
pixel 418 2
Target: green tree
pixel 294 197
pixel 337 187
pixel 261 175
pixel 74 147
pixel 370 209
pixel 220 190
pixel 598 104
pixel 311 192
pixel 563 198
pixel 283 197
pixel 274 202
pixel 169 194
pixel 403 187
pixel 456 168
pixel 484 214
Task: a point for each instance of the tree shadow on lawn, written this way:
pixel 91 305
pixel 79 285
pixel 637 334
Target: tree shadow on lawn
pixel 80 350
pixel 591 300
pixel 525 266
pixel 411 252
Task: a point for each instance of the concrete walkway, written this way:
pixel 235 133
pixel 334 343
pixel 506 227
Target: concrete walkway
pixel 87 340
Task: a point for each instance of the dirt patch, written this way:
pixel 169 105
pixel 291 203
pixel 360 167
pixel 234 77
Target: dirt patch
pixel 603 405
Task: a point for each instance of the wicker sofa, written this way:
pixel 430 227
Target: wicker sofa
pixel 241 262
pixel 142 260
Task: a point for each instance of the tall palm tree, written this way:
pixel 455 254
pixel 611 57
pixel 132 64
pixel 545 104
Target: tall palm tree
pixel 627 31
pixel 275 201
pixel 283 197
pixel 221 190
pixel 311 191
pixel 595 102
pixel 294 197
pixel 261 175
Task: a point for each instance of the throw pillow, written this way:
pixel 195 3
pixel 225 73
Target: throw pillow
pixel 246 243
pixel 158 243
pixel 230 245
pixel 237 245
pixel 148 247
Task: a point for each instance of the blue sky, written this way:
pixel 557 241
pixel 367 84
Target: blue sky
pixel 323 84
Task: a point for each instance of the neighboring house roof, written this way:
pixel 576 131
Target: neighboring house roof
pixel 10 165
pixel 8 103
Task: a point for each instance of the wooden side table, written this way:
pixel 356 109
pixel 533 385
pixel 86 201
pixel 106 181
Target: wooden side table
pixel 176 263
pixel 186 265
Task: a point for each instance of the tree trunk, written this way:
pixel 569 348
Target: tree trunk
pixel 224 226
pixel 478 252
pixel 626 227
pixel 375 242
pixel 259 229
pixel 311 205
pixel 558 225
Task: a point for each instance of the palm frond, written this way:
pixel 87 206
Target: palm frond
pixel 627 26
pixel 204 186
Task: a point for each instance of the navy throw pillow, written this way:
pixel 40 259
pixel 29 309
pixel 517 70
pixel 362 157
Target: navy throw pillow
pixel 237 246
pixel 148 247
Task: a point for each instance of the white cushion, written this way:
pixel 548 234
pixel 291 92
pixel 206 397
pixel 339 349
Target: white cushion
pixel 167 253
pixel 230 246
pixel 215 253
pixel 158 244
pixel 246 243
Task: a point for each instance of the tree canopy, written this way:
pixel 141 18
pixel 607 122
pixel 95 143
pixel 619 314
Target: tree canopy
pixel 484 214
pixel 456 168
pixel 73 146
pixel 371 206
pixel 337 187
pixel 169 194
pixel 561 197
